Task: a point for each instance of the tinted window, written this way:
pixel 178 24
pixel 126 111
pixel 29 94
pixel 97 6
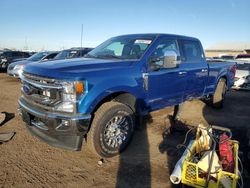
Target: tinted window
pixel 51 56
pixel 7 54
pixel 67 54
pixel 19 54
pixel 16 54
pixel 157 57
pixel 24 54
pixel 84 52
pixel 192 51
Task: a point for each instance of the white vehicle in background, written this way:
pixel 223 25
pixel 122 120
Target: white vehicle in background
pixel 242 76
pixel 243 58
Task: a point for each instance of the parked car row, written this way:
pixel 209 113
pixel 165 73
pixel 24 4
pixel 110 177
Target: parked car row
pixel 15 66
pixel 15 69
pixel 8 57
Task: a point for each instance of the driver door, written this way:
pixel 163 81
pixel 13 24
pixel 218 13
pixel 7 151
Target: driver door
pixel 166 86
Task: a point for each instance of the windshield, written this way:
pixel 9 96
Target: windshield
pixel 124 47
pixel 37 56
pixel 66 54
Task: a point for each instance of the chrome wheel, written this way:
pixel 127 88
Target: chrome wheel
pixel 116 131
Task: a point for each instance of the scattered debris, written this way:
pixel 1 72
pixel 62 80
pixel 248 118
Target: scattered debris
pixel 2 117
pixel 101 161
pixel 5 137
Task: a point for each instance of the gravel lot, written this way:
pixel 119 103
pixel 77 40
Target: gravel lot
pixel 27 162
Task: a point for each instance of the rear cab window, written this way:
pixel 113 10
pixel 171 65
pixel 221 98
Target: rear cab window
pixel 191 51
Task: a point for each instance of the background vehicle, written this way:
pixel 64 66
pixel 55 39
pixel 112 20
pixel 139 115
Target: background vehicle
pixel 226 57
pixel 243 57
pixel 73 53
pixel 106 93
pixel 15 69
pixel 242 76
pixel 8 57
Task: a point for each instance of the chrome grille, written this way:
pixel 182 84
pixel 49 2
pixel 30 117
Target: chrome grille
pixel 45 92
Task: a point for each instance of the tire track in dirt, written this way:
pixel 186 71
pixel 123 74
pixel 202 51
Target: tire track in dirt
pixel 35 174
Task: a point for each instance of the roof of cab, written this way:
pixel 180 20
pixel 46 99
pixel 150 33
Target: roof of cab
pixel 159 35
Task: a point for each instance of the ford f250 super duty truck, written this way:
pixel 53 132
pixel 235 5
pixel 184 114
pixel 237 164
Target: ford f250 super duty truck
pixel 99 97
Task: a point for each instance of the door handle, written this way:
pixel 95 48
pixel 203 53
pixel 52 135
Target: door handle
pixel 203 70
pixel 182 72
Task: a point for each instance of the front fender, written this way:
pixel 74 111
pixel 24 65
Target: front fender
pixel 108 87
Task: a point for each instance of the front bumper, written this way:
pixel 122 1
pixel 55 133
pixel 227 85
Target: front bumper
pixel 59 130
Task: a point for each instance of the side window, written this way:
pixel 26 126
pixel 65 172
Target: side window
pixel 192 51
pixel 15 54
pixel 51 56
pixel 157 57
pixel 8 54
pixel 25 55
pixel 20 54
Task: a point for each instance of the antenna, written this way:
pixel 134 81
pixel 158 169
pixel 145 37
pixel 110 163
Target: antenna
pixel 81 35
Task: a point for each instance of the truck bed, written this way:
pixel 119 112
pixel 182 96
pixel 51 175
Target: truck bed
pixel 217 68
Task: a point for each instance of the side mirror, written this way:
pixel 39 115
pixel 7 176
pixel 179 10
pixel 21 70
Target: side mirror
pixel 170 59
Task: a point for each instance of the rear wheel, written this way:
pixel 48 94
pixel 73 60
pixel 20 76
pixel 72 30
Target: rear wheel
pixel 217 99
pixel 112 129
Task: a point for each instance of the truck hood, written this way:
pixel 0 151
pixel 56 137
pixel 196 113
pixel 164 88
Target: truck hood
pixel 74 69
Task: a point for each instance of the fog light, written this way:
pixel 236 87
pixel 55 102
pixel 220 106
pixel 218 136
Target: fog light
pixel 64 125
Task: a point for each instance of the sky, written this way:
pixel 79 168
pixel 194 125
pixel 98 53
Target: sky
pixel 56 24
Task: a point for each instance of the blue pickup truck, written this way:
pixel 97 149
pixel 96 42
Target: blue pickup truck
pixel 99 98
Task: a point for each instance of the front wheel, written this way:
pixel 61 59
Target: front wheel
pixel 112 129
pixel 219 94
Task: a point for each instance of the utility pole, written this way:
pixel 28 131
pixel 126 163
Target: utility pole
pixel 81 35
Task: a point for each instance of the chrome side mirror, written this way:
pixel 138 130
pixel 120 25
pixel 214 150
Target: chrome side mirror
pixel 170 59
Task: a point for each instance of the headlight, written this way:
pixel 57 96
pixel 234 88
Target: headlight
pixel 71 94
pixel 19 67
pixel 65 107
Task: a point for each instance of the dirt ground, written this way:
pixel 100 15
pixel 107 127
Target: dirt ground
pixel 27 162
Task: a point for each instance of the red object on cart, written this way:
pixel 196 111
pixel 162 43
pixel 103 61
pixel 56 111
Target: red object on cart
pixel 226 153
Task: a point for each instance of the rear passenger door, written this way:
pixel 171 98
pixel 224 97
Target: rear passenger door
pixel 193 60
